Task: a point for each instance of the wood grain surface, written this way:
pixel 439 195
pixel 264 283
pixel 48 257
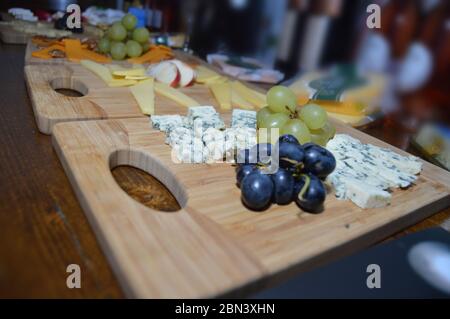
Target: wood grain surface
pixel 42 226
pixel 213 244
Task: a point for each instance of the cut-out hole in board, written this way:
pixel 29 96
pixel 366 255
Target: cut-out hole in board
pixel 69 87
pixel 156 188
pixel 145 189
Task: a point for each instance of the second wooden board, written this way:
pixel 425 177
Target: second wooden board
pixel 215 245
pixel 98 101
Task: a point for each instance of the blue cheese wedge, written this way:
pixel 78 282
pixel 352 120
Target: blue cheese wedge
pixel 204 117
pixel 243 118
pixel 365 173
pixel 167 122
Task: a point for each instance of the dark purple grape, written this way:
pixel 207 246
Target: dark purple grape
pixel 283 182
pixel 288 138
pixel 243 171
pixel 262 152
pixel 257 191
pixel 245 157
pixel 290 155
pixel 318 161
pixel 310 197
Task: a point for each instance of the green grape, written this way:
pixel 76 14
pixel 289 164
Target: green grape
pixel 329 129
pixel 129 21
pixel 314 116
pixel 117 32
pixel 322 135
pixel 281 99
pixel 319 136
pixel 104 45
pixel 274 120
pixel 262 114
pixel 134 49
pixel 118 50
pixel 141 35
pixel 298 129
pixel 271 121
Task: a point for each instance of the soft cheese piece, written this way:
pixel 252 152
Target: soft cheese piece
pixel 243 118
pixel 166 122
pixel 365 196
pixel 364 172
pixel 204 117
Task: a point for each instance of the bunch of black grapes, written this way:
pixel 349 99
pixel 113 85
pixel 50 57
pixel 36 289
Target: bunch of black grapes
pixel 302 168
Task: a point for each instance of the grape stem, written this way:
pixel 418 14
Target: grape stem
pixel 292 115
pixel 305 187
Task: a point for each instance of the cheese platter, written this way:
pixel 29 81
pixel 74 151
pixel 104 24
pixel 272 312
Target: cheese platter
pixel 215 244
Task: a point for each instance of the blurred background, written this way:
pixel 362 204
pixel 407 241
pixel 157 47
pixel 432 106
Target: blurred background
pixel 402 67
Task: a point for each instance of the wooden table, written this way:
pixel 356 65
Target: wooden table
pixel 42 226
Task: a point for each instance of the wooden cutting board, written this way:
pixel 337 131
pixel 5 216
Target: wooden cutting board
pixel 99 100
pixel 10 35
pixel 214 245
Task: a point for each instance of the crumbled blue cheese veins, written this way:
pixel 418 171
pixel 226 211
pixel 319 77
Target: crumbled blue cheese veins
pixel 201 136
pixel 243 118
pixel 366 174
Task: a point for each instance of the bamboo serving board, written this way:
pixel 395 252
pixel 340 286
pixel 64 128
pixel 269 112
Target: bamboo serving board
pixel 99 100
pixel 214 245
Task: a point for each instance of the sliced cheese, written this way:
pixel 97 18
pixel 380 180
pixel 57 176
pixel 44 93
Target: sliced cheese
pixel 222 93
pixel 204 74
pixel 121 82
pixel 219 79
pixel 104 73
pixel 115 67
pixel 174 94
pixel 238 101
pixel 129 72
pixel 254 97
pixel 136 77
pixel 99 69
pixel 144 95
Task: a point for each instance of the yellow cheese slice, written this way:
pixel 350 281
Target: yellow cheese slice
pixel 115 67
pixel 254 97
pixel 238 101
pixel 99 69
pixel 349 119
pixel 104 73
pixel 121 82
pixel 222 94
pixel 145 96
pixel 219 79
pixel 204 74
pixel 136 77
pixel 174 94
pixel 127 72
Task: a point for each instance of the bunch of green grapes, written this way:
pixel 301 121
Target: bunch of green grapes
pixel 124 39
pixel 308 123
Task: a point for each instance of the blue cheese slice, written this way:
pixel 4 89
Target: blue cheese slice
pixel 243 118
pixel 167 122
pixel 372 169
pixel 365 196
pixel 204 117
